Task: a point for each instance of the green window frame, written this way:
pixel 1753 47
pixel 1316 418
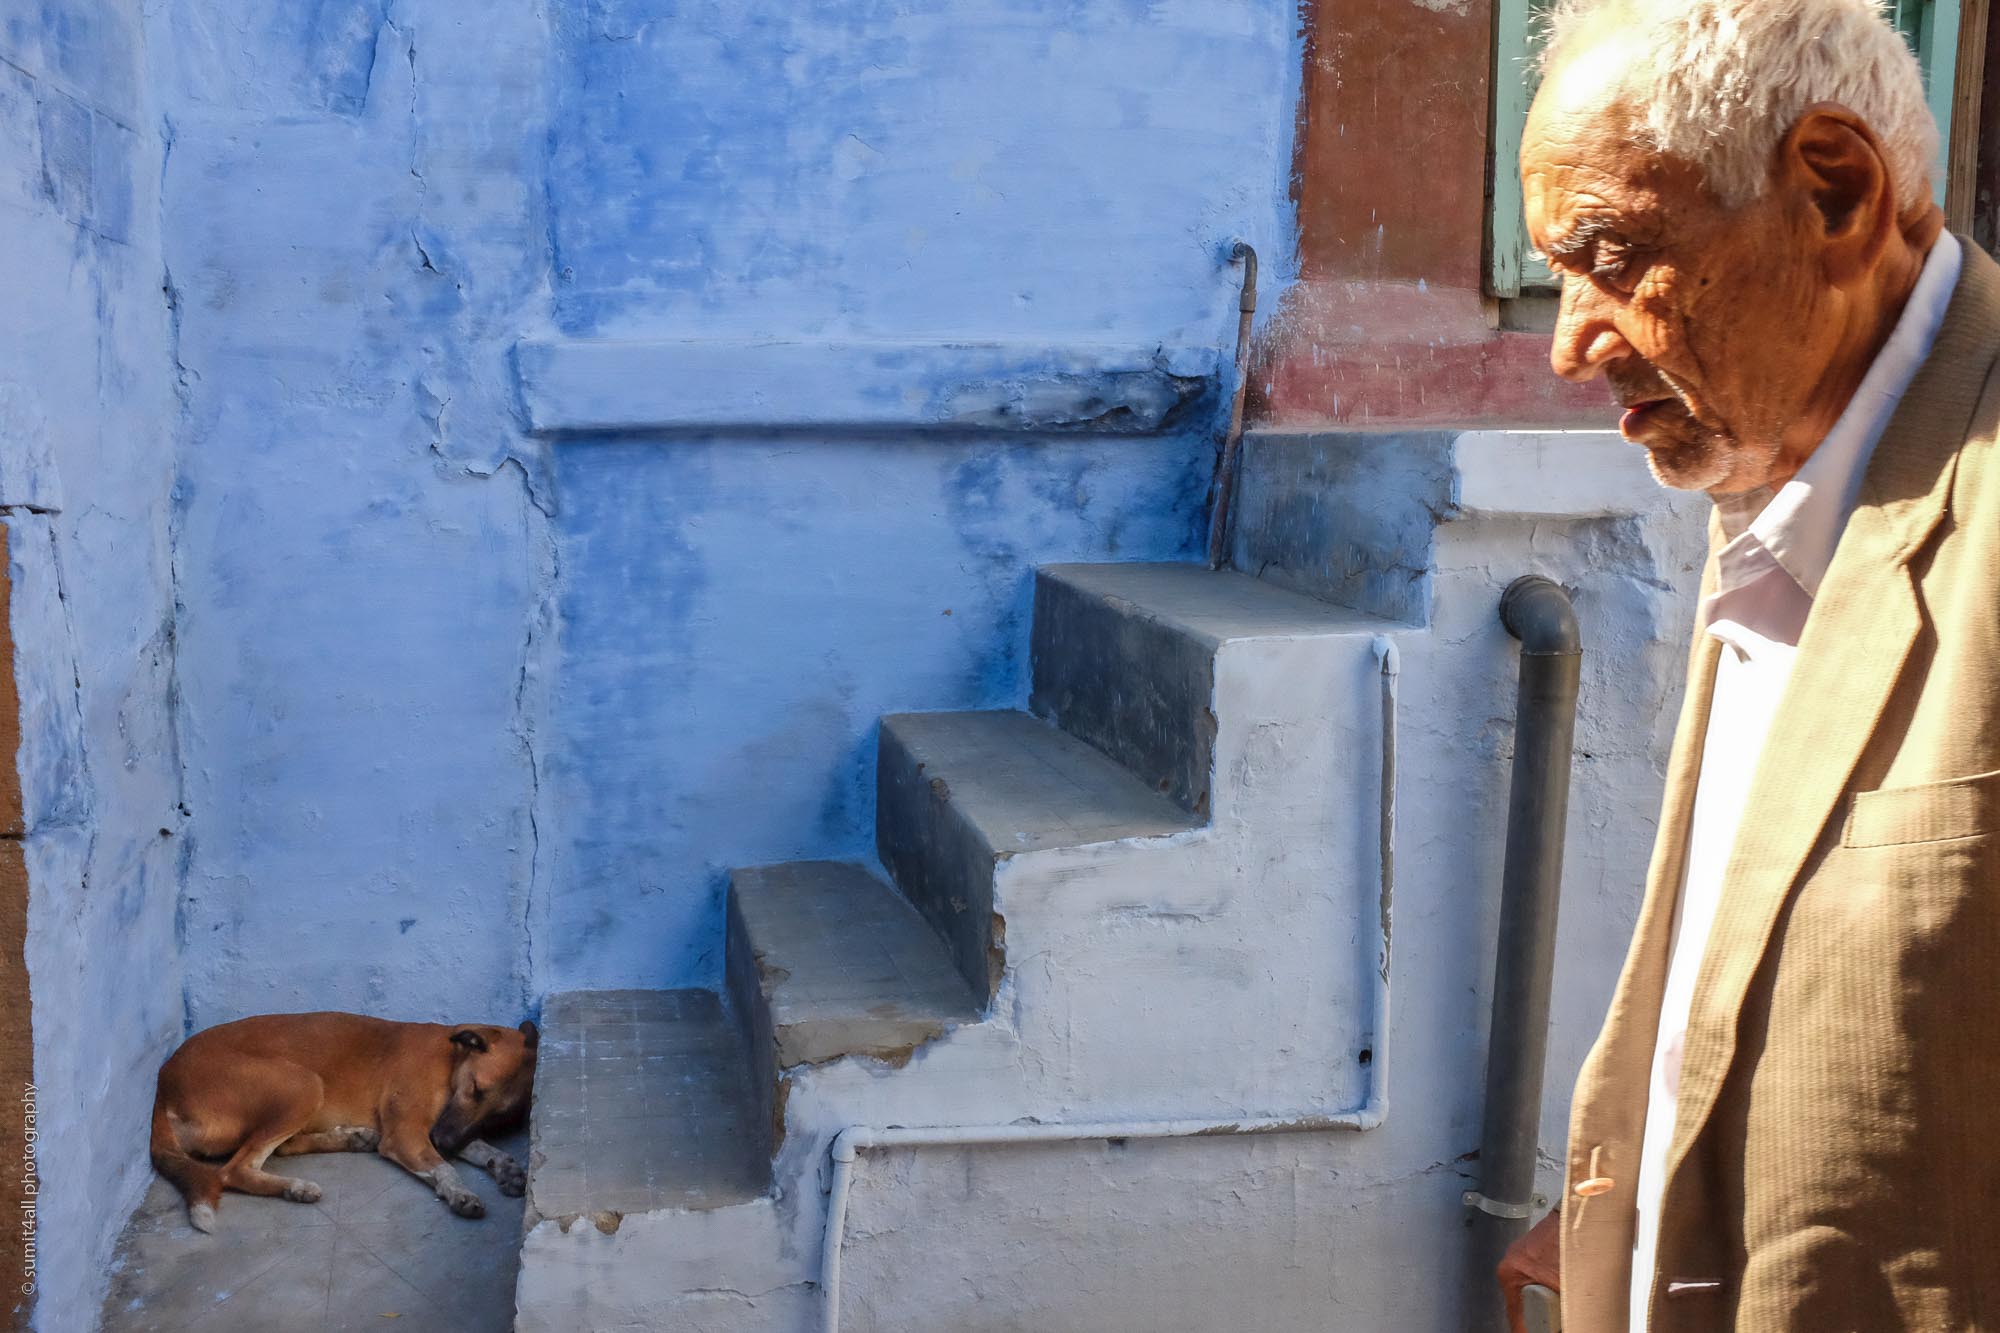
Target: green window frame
pixel 1930 27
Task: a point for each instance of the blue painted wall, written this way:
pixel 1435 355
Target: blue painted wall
pixel 474 714
pixel 87 410
pixel 1007 168
pixel 354 227
pixel 344 687
pixel 736 612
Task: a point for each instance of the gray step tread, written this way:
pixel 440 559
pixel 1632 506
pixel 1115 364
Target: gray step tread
pixel 643 1101
pixel 848 966
pixel 1215 605
pixel 1027 786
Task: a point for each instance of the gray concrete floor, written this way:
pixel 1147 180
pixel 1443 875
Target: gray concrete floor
pixel 378 1251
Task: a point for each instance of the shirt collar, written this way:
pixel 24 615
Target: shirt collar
pixel 1799 527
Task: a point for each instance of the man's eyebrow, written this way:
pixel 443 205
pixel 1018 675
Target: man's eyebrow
pixel 1577 239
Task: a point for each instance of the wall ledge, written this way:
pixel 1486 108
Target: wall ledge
pixel 1552 474
pixel 1353 517
pixel 601 386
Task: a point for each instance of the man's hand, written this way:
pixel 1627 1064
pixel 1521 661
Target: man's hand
pixel 1533 1260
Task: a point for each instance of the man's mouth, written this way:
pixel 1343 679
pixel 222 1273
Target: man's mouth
pixel 1639 414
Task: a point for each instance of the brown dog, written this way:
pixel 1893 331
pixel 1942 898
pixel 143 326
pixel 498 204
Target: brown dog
pixel 418 1093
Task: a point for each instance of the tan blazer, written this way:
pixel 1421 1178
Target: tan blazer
pixel 1836 1157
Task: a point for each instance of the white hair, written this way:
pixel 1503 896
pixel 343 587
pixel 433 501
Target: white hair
pixel 1719 83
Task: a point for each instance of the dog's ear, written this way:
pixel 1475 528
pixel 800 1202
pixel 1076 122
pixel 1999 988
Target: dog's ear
pixel 468 1039
pixel 530 1033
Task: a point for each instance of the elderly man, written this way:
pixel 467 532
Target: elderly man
pixel 1791 1119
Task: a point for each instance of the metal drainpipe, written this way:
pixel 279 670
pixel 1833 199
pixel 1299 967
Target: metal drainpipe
pixel 1232 439
pixel 1538 613
pixel 1374 1109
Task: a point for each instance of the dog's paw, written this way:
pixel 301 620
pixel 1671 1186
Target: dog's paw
pixel 302 1191
pixel 467 1204
pixel 201 1217
pixel 507 1173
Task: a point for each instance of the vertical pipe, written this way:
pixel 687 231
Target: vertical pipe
pixel 1225 463
pixel 1538 613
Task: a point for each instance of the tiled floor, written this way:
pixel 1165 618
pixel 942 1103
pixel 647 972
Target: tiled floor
pixel 378 1251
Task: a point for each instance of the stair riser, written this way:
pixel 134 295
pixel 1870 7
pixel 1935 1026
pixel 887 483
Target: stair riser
pixel 1345 515
pixel 752 1013
pixel 942 866
pixel 1140 691
pixel 1146 978
pixel 1298 714
pixel 729 1271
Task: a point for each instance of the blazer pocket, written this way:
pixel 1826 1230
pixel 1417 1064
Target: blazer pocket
pixel 1928 812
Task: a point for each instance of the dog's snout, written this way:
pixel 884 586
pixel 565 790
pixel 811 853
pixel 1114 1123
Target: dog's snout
pixel 447 1138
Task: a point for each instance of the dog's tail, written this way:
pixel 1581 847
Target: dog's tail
pixel 199 1182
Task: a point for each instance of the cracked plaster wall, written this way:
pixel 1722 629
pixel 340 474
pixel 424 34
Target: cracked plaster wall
pixel 354 238
pixel 86 466
pixel 483 713
pixel 466 714
pixel 472 715
pixel 739 607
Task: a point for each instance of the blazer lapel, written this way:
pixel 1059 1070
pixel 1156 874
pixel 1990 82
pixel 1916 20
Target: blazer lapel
pixel 1855 646
pixel 1608 1116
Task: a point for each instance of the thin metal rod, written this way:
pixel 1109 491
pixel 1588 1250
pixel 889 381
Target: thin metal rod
pixel 850 1142
pixel 1391 664
pixel 1538 613
pixel 1226 463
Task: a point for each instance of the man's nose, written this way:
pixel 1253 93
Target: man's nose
pixel 1587 337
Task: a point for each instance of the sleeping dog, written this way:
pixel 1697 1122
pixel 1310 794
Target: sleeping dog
pixel 417 1093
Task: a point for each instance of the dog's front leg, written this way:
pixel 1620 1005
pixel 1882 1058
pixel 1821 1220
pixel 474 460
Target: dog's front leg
pixel 506 1172
pixel 415 1155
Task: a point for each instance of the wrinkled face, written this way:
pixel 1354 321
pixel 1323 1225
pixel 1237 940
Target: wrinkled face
pixel 492 1079
pixel 1710 324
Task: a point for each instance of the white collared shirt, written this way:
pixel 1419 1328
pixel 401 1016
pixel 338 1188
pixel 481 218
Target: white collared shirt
pixel 1766 578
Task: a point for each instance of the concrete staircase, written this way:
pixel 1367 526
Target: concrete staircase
pixel 1154 896
pixel 1149 895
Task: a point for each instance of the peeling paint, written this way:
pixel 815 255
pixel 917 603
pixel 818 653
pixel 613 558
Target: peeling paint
pixel 366 549
pixel 87 417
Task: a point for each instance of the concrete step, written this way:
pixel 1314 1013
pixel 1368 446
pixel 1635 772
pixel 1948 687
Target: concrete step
pixel 653 1201
pixel 643 1102
pixel 957 792
pixel 840 964
pixel 1125 658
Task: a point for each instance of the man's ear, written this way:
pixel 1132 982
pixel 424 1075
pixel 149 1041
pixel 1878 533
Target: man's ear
pixel 468 1039
pixel 530 1033
pixel 1832 158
